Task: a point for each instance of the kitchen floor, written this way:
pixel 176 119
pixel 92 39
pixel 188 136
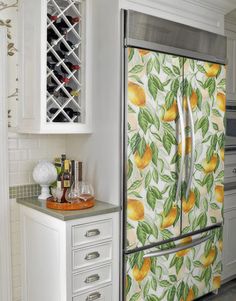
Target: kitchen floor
pixel 226 293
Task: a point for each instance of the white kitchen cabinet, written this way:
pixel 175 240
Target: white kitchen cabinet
pixel 229 237
pixel 55 96
pixel 69 260
pixel 231 67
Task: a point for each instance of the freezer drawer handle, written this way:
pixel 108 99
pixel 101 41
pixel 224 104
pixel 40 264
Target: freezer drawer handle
pixel 178 248
pixel 92 255
pixel 92 278
pixel 192 148
pixel 93 232
pixel 182 129
pixel 93 296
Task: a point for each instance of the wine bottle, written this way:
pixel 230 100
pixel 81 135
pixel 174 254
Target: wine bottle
pixel 61 170
pixel 53 57
pixel 52 17
pixel 60 77
pixel 65 180
pixel 61 117
pixel 52 37
pixel 72 92
pixel 51 65
pixel 64 48
pixel 70 66
pixel 63 24
pixel 51 89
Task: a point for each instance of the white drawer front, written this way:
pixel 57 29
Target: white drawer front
pixel 91 255
pixel 230 173
pixel 101 294
pixel 92 232
pixel 91 278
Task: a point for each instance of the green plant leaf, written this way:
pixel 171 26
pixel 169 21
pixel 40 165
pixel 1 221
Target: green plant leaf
pixel 135 185
pixel 143 121
pixel 150 65
pixel 169 99
pixel 148 179
pixel 154 84
pixel 146 288
pixel 135 297
pixel 131 54
pixel 168 71
pixel 136 69
pixel 134 142
pixel 141 234
pixel 154 153
pixel 167 142
pixel 128 284
pixel 141 147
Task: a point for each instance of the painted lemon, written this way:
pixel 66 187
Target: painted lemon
pixel 171 113
pixel 221 101
pixel 142 162
pixel 189 204
pixel 193 101
pixel 188 146
pixel 216 282
pixel 211 69
pixel 219 193
pixel 190 296
pixel 185 240
pixel 136 94
pixel 143 52
pixel 135 210
pixel 207 260
pixel 139 275
pixel 211 165
pixel 222 154
pixel 169 220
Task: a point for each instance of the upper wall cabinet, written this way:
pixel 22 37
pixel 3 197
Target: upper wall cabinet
pixel 231 66
pixel 54 67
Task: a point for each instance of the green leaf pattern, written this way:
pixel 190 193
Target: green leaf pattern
pixel 152 144
pixel 180 276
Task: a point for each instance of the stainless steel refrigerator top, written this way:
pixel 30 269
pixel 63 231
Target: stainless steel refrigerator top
pixel 173 159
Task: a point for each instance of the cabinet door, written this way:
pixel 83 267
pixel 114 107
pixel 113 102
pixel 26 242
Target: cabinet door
pixel 184 275
pixel 204 102
pixel 229 251
pixel 231 67
pixel 152 205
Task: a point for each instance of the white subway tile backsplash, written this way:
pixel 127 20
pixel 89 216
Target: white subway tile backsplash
pixel 26 150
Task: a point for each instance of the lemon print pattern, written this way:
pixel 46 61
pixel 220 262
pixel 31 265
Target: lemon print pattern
pixel 154 151
pixel 185 275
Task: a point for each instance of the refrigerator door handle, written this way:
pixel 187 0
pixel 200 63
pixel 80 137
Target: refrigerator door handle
pixel 182 130
pixel 178 248
pixel 190 178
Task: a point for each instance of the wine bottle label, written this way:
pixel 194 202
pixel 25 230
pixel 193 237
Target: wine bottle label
pixel 66 183
pixel 59 184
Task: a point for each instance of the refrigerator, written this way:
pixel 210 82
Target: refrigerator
pixel 173 159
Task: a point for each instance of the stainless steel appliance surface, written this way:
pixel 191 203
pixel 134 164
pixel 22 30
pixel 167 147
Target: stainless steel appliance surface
pixel 173 159
pixel 230 142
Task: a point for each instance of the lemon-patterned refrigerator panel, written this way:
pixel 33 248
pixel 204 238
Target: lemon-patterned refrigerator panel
pixel 181 276
pixel 154 211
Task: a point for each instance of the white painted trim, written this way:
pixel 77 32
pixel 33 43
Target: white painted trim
pixel 5 242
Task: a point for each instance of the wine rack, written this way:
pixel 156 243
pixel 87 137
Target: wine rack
pixel 64 61
pixel 55 71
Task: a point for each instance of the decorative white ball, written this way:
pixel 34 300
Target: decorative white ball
pixel 45 173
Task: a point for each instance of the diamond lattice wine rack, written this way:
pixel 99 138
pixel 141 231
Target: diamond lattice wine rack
pixel 64 61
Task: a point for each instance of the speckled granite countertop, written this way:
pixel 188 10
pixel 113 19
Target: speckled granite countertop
pixel 40 205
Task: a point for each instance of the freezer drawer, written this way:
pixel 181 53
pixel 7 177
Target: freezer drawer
pixel 193 270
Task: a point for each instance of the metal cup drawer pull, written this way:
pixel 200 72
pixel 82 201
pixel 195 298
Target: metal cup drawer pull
pixel 93 296
pixel 92 278
pixel 93 232
pixel 91 256
pixel 234 170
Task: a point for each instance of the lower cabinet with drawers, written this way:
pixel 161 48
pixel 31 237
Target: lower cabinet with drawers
pixel 229 237
pixel 75 260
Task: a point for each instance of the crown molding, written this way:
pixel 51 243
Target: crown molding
pixel 220 6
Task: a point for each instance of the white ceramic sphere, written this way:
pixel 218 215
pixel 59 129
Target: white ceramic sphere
pixel 44 173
